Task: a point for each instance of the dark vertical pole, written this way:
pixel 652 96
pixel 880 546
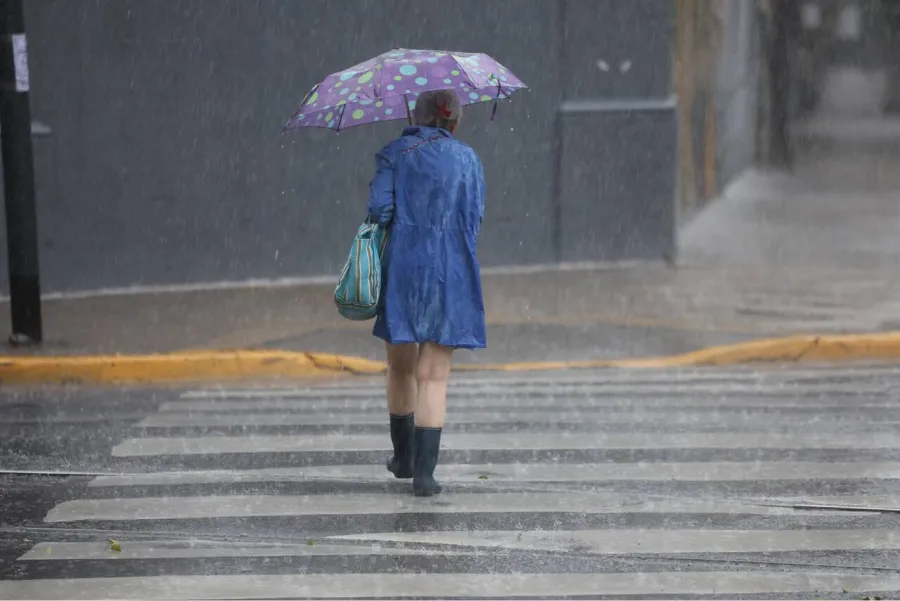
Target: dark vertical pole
pixel 562 71
pixel 890 16
pixel 18 176
pixel 781 154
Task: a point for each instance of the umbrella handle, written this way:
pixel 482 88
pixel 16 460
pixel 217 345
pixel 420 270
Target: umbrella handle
pixel 408 114
pixel 496 98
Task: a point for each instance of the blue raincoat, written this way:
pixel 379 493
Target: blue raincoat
pixel 429 189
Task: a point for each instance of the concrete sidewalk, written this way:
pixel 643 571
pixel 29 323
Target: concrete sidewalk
pixel 808 253
pixel 811 252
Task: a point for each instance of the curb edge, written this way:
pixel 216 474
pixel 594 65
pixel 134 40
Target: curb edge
pixel 220 365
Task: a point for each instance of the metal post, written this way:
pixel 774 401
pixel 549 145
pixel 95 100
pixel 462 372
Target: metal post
pixel 18 176
pixel 780 71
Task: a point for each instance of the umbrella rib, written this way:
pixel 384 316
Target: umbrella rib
pixel 469 81
pixel 465 72
pixel 380 83
pixel 341 117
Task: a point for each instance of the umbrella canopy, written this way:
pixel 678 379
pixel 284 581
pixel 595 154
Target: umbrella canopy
pixel 385 88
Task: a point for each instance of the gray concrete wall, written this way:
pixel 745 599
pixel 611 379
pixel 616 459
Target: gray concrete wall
pixel 166 163
pixel 737 90
pixel 617 132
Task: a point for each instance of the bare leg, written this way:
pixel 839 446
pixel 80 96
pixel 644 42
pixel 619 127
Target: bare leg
pixel 432 373
pixel 401 397
pixel 401 378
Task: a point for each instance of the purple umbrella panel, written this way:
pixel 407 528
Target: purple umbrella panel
pixel 385 88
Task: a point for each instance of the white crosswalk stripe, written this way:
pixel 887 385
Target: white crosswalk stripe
pixel 212 445
pixel 685 482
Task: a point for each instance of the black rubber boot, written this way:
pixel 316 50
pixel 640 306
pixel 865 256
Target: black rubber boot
pixel 428 446
pixel 403 435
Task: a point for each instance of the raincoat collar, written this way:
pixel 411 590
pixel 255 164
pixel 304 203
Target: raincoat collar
pixel 426 131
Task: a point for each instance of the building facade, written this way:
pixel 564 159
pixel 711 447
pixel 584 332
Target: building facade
pixel 162 161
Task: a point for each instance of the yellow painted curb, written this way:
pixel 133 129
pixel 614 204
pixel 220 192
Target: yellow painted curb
pixel 179 367
pixel 794 349
pixel 196 366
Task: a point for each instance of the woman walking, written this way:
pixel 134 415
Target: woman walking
pixel 428 191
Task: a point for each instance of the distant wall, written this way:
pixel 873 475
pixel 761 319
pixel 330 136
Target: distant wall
pixel 165 163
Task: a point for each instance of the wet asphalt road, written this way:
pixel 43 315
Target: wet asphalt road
pixel 580 485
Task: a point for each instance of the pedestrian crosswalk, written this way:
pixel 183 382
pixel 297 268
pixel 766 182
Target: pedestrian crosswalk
pixel 761 482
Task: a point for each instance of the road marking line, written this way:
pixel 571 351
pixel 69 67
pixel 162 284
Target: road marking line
pixel 193 549
pixel 437 586
pixel 621 403
pixel 234 506
pixel 617 542
pixel 534 472
pixel 669 416
pixel 211 445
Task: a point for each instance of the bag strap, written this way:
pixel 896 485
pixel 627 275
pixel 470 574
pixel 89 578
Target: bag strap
pixel 407 151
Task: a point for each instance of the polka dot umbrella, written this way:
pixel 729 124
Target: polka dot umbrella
pixel 385 88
